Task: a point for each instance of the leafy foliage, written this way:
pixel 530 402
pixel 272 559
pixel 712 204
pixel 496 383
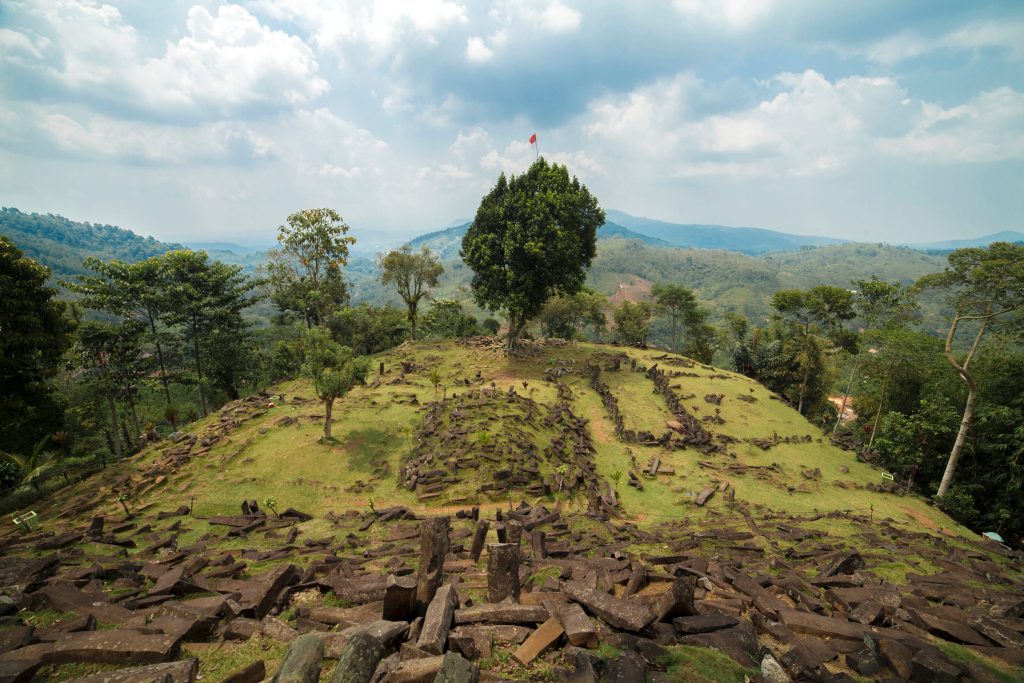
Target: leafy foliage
pixel 632 321
pixel 333 369
pixel 34 333
pixel 305 273
pixel 534 235
pixel 412 274
pixel 369 329
pixel 446 319
pixel 566 316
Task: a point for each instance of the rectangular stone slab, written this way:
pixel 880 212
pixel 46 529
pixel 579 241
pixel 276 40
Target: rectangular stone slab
pixel 438 620
pixel 546 635
pixel 118 646
pixel 628 615
pixel 501 613
pixel 579 628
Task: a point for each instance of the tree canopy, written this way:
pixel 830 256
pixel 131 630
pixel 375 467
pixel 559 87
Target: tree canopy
pixel 412 274
pixel 34 333
pixel 534 235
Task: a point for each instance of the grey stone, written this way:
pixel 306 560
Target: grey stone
pixel 456 669
pixel 502 571
pixel 358 659
pixel 438 620
pixel 302 662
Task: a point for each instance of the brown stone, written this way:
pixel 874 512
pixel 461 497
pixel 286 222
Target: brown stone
pixel 479 536
pixel 704 623
pixel 433 549
pixel 624 614
pixel 118 646
pixel 579 628
pixel 897 657
pixel 677 601
pixel 504 613
pixel 930 667
pixel 502 571
pixel 254 673
pixel 544 637
pixel 400 598
pixel 739 641
pixel 184 671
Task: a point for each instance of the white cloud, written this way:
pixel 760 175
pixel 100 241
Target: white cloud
pixel 559 18
pixel 380 25
pixel 477 50
pixel 987 128
pixel 105 138
pixel 1007 36
pixel 730 13
pixel 809 126
pixel 18 47
pixel 227 62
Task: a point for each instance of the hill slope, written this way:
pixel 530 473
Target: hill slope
pixel 729 485
pixel 743 240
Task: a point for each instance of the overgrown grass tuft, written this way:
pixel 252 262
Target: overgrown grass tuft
pixel 694 664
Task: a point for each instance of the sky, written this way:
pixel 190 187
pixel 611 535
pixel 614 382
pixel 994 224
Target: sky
pixel 875 120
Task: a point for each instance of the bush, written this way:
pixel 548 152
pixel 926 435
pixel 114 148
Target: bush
pixel 9 475
pixel 958 503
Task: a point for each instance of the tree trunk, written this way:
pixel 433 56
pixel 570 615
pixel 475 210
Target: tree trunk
pixel 412 318
pixel 328 408
pixel 972 397
pixel 803 384
pixel 116 435
pixel 199 370
pixel 675 335
pixel 160 358
pixel 515 329
pixel 135 417
pixel 846 395
pixel 881 402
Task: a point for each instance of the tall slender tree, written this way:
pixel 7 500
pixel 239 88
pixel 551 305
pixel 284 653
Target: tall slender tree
pixel 132 291
pixel 412 274
pixel 986 287
pixel 202 297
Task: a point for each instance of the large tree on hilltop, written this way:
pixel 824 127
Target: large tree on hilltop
pixel 533 236
pixel 987 289
pixel 34 333
pixel 412 274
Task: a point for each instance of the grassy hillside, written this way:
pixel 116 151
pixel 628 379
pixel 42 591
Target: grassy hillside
pixel 567 427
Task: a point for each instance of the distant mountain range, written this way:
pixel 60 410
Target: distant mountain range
pixel 950 245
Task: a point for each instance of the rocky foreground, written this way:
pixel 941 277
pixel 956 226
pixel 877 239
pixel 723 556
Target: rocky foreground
pixel 524 593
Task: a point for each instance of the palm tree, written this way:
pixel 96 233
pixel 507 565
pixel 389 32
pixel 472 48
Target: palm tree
pixel 32 466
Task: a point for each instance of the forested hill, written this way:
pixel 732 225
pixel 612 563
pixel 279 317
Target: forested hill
pixel 62 245
pixel 447 243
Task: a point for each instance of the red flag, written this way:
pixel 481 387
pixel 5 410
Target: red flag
pixel 533 139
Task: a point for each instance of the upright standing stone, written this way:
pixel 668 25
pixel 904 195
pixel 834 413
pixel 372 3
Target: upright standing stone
pixel 514 531
pixel 502 571
pixel 433 548
pixel 359 658
pixel 438 620
pixel 399 598
pixel 479 536
pixel 302 662
pixel 537 544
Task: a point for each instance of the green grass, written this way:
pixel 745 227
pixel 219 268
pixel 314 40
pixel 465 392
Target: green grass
pixel 219 661
pixel 961 654
pixel 691 664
